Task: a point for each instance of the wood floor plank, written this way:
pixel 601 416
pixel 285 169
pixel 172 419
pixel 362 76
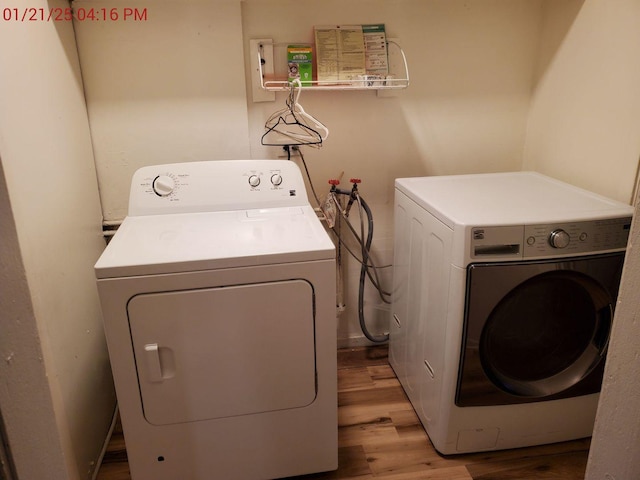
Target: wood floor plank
pixel 114 471
pixel 402 456
pixel 381 438
pixel 562 461
pixel 406 422
pixel 355 378
pixel 362 356
pixel 451 473
pixel 556 467
pixel 560 454
pixel 381 430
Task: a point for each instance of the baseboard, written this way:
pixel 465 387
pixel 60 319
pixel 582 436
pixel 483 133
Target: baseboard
pixel 351 342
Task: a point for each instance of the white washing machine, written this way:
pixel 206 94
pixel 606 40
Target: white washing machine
pixel 504 291
pixel 218 294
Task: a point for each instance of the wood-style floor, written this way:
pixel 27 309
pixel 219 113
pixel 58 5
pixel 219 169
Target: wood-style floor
pixel 380 437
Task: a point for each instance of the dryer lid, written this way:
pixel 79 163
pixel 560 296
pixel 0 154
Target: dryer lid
pixel 160 244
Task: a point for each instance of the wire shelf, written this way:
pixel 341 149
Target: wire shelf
pixel 393 81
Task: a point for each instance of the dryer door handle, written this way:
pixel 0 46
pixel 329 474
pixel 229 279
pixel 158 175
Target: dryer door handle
pixel 154 367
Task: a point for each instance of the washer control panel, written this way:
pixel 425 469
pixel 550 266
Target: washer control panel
pixel 549 240
pixel 576 237
pixel 219 185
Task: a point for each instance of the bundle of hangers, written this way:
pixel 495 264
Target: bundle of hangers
pixel 292 125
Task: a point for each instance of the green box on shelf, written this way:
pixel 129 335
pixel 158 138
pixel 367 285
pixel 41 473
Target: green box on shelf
pixel 300 59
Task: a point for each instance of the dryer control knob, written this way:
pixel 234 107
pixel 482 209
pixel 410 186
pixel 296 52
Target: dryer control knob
pixel 559 238
pixel 276 179
pixel 254 180
pixel 163 185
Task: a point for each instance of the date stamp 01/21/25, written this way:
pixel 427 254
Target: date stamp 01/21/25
pixel 115 14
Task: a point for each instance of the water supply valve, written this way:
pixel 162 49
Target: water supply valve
pixel 329 207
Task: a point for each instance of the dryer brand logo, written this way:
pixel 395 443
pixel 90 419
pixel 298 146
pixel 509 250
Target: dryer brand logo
pixel 292 193
pixel 478 234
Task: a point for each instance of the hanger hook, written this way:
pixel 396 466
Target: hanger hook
pixel 291 92
pixel 295 83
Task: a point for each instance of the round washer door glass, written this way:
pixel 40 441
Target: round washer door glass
pixel 546 334
pixel 536 330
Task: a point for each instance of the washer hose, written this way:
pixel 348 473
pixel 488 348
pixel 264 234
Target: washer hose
pixel 366 246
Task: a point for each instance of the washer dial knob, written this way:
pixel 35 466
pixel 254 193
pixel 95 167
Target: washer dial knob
pixel 559 238
pixel 163 185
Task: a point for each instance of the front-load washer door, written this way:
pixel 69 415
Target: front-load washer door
pixel 536 331
pixel 224 351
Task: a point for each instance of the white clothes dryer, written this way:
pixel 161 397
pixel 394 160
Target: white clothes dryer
pixel 504 291
pixel 218 294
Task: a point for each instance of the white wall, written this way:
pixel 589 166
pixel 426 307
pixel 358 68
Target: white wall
pixel 497 85
pixel 583 128
pixel 470 63
pixel 25 399
pixel 57 396
pixel 615 447
pixel 170 89
pixel 549 85
pixel 167 88
pixel 584 121
pixel 558 77
pixel 471 66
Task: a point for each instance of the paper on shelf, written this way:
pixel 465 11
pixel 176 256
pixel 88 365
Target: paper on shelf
pixel 340 52
pixel 375 48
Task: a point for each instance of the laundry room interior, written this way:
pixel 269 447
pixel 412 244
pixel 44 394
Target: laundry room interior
pixel 548 86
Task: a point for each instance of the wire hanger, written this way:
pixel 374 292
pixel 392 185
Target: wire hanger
pixel 292 125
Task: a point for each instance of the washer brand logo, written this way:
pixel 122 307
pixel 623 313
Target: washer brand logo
pixel 292 193
pixel 478 234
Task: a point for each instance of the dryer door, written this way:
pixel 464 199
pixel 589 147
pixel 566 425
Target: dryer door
pixel 224 351
pixel 537 330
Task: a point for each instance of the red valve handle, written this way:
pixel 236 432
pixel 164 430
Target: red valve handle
pixel 355 180
pixel 334 182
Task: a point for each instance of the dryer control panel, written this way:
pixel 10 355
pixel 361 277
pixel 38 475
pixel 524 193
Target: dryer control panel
pixel 219 185
pixel 549 240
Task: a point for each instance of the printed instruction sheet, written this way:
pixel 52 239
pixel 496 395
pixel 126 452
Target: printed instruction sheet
pixel 340 52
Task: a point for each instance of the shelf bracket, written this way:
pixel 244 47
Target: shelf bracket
pixel 261 55
pixel 397 62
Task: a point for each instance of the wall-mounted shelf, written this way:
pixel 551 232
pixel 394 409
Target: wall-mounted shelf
pixel 266 55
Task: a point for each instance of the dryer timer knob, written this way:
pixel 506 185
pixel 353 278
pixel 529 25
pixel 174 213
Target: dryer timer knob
pixel 254 180
pixel 559 238
pixel 163 185
pixel 276 179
